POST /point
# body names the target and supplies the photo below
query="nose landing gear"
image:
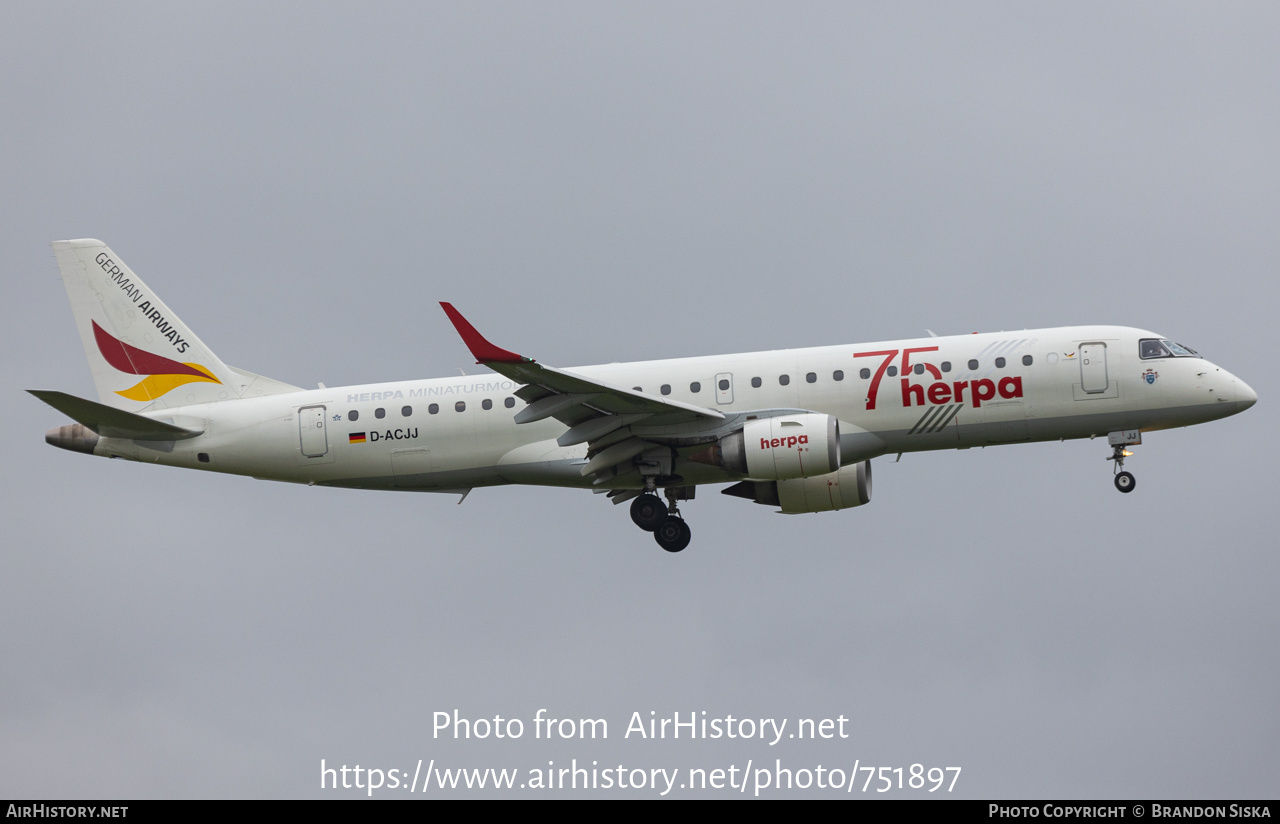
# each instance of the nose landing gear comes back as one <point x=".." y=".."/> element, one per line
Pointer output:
<point x="1125" y="482"/>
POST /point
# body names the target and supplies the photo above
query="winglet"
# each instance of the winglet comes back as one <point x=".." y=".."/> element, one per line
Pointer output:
<point x="481" y="349"/>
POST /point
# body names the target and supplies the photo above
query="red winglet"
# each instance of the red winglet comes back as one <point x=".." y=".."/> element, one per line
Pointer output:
<point x="481" y="349"/>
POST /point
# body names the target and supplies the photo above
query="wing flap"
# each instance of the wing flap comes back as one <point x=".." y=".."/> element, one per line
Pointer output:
<point x="612" y="456"/>
<point x="549" y="406"/>
<point x="593" y="429"/>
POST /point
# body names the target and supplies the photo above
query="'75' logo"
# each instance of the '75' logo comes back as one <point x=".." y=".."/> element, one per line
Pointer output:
<point x="939" y="391"/>
<point x="889" y="355"/>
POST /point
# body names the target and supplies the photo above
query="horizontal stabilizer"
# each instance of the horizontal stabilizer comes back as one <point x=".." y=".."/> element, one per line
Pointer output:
<point x="110" y="422"/>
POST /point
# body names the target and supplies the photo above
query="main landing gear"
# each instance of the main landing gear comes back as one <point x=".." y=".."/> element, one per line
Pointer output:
<point x="663" y="520"/>
<point x="648" y="511"/>
<point x="1124" y="481"/>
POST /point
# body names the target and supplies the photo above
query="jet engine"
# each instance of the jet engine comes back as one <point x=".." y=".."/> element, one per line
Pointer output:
<point x="848" y="486"/>
<point x="788" y="446"/>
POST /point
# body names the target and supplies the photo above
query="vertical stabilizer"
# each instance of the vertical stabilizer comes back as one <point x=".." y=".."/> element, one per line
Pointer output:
<point x="140" y="353"/>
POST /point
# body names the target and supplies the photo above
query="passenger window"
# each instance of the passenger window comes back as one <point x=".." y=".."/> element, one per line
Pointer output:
<point x="509" y="403"/>
<point x="433" y="408"/>
<point x="812" y="377"/>
<point x="695" y="387"/>
<point x="666" y="389"/>
<point x="460" y="406"/>
<point x="864" y="374"/>
<point x="638" y="389"/>
<point x="946" y="366"/>
<point x="893" y="371"/>
<point x="1026" y="360"/>
<point x="999" y="363"/>
<point x="918" y="369"/>
<point x="784" y="379"/>
<point x="486" y="404"/>
<point x="837" y="375"/>
<point x="973" y="365"/>
<point x="353" y="415"/>
<point x="724" y="385"/>
<point x="379" y="413"/>
<point x="755" y="383"/>
<point x="406" y="411"/>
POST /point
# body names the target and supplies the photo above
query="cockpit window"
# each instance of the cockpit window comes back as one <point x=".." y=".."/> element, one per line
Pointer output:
<point x="1151" y="348"/>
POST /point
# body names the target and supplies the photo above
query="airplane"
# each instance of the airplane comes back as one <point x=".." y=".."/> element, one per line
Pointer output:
<point x="794" y="429"/>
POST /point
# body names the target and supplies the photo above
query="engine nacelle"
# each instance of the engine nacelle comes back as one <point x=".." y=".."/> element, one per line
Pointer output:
<point x="849" y="486"/>
<point x="788" y="446"/>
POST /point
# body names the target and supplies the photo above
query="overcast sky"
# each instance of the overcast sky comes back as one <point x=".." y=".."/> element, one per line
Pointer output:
<point x="302" y="182"/>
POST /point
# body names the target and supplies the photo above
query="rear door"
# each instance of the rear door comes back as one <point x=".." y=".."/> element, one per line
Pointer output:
<point x="311" y="431"/>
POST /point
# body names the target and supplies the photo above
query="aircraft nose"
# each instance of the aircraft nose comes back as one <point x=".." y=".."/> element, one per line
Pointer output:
<point x="1245" y="396"/>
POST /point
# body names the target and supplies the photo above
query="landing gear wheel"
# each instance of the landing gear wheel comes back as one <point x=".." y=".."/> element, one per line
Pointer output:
<point x="672" y="534"/>
<point x="648" y="512"/>
<point x="1125" y="482"/>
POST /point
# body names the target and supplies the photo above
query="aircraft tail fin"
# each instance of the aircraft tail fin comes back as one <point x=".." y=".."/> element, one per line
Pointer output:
<point x="140" y="353"/>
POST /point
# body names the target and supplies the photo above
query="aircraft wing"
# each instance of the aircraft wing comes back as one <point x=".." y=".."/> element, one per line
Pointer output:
<point x="568" y="397"/>
<point x="597" y="413"/>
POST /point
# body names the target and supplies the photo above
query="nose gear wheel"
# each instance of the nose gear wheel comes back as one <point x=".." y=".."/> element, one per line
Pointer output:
<point x="1125" y="482"/>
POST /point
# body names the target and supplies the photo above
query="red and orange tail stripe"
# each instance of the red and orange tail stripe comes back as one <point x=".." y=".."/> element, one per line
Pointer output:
<point x="163" y="375"/>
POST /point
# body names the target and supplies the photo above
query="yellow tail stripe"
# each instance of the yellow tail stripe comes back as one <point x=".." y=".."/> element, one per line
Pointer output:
<point x="154" y="386"/>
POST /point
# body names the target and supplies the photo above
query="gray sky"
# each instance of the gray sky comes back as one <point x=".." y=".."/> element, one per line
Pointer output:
<point x="590" y="182"/>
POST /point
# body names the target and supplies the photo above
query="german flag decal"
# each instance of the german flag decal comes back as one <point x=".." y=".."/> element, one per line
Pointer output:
<point x="356" y="437"/>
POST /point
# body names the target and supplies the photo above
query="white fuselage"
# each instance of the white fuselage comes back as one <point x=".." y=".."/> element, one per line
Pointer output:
<point x="458" y="433"/>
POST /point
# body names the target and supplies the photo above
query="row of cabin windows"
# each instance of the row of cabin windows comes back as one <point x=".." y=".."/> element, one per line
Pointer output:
<point x="723" y="385"/>
<point x="945" y="366"/>
<point x="696" y="386"/>
<point x="433" y="409"/>
<point x="838" y="375"/>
